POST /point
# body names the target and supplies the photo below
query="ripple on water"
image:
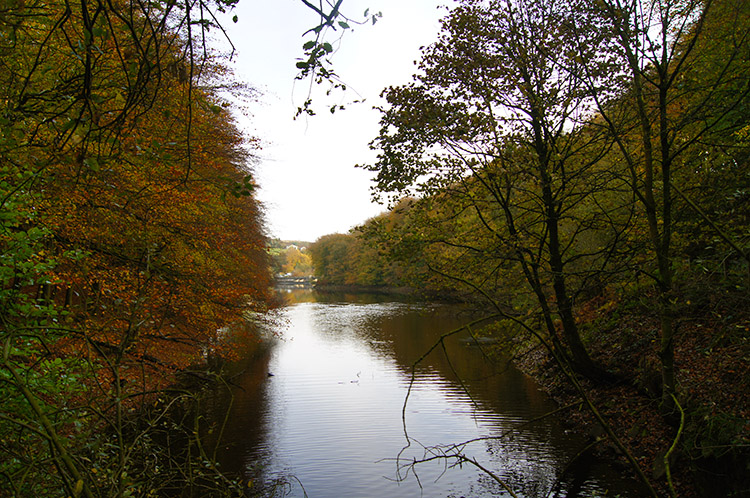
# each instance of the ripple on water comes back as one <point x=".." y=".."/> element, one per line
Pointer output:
<point x="333" y="414"/>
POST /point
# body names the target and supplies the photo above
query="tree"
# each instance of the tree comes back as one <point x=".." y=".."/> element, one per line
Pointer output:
<point x="130" y="235"/>
<point x="499" y="119"/>
<point x="298" y="263"/>
<point x="330" y="257"/>
<point x="316" y="64"/>
<point x="658" y="106"/>
<point x="130" y="238"/>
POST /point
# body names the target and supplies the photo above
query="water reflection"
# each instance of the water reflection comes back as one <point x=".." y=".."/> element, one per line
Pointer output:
<point x="333" y="412"/>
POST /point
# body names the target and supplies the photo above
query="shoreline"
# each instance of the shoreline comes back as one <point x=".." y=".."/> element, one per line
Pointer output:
<point x="631" y="407"/>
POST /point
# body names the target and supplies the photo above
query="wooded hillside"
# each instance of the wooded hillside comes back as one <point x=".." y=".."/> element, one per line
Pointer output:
<point x="130" y="240"/>
<point x="582" y="169"/>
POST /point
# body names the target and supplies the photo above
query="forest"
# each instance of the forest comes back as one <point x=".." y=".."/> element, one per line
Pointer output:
<point x="131" y="239"/>
<point x="577" y="168"/>
<point x="580" y="169"/>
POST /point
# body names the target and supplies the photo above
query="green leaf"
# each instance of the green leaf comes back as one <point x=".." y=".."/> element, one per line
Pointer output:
<point x="234" y="19"/>
<point x="68" y="125"/>
<point x="344" y="24"/>
<point x="92" y="164"/>
<point x="307" y="46"/>
<point x="302" y="65"/>
<point x="327" y="47"/>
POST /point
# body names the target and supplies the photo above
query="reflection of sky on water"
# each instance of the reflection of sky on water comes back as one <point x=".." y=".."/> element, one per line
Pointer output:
<point x="332" y="412"/>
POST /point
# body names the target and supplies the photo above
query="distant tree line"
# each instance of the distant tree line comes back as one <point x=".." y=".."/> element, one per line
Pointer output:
<point x="353" y="260"/>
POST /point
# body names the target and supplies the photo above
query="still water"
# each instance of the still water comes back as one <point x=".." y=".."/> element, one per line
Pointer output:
<point x="333" y="419"/>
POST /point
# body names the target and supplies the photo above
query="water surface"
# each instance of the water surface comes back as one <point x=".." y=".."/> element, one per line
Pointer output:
<point x="333" y="420"/>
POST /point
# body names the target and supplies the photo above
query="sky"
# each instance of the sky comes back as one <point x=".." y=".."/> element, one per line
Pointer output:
<point x="308" y="182"/>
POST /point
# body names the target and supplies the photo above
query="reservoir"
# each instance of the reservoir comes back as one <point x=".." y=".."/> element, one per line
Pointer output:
<point x="337" y="407"/>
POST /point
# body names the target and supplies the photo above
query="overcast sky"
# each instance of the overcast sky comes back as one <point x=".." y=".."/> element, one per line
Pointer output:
<point x="307" y="177"/>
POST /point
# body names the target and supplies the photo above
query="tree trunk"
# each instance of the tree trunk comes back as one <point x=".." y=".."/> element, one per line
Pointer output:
<point x="582" y="362"/>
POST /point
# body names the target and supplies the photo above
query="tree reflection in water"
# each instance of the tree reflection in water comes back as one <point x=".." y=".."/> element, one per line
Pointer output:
<point x="470" y="422"/>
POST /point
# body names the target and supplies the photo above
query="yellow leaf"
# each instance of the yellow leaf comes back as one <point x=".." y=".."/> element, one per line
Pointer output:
<point x="78" y="488"/>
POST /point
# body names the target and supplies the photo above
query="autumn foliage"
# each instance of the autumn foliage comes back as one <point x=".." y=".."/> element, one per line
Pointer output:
<point x="581" y="168"/>
<point x="131" y="238"/>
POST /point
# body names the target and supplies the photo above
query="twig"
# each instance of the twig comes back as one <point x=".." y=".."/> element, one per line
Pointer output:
<point x="674" y="445"/>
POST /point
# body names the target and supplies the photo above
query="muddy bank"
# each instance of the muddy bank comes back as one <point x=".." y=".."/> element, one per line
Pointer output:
<point x="711" y="456"/>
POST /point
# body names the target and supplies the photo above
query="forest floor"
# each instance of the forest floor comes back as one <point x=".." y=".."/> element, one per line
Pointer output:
<point x="712" y="354"/>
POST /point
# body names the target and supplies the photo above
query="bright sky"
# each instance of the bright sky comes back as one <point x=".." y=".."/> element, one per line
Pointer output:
<point x="307" y="178"/>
